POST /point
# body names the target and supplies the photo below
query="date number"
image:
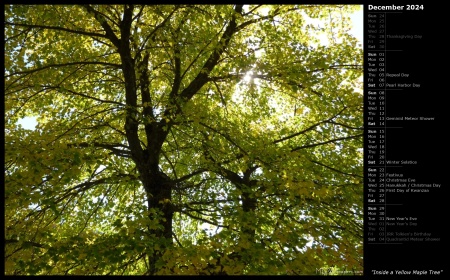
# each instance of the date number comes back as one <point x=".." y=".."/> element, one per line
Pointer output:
<point x="414" y="7"/>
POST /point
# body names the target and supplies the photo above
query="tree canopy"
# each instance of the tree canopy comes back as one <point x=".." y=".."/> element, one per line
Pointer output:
<point x="182" y="139"/>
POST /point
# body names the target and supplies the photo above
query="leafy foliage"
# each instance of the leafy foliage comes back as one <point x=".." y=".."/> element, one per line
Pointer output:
<point x="188" y="139"/>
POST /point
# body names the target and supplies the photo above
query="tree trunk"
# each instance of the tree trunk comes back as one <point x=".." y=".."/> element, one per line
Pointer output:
<point x="158" y="188"/>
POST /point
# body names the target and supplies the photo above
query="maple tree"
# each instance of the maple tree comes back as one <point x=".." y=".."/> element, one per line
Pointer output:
<point x="187" y="139"/>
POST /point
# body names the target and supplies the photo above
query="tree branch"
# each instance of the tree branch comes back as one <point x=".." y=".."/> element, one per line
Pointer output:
<point x="108" y="30"/>
<point x="34" y="244"/>
<point x="310" y="128"/>
<point x="112" y="147"/>
<point x="92" y="34"/>
<point x="202" y="77"/>
<point x="64" y="65"/>
<point x="326" y="142"/>
<point x="336" y="170"/>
